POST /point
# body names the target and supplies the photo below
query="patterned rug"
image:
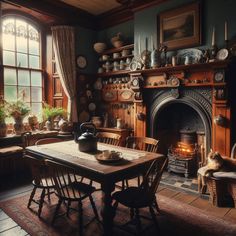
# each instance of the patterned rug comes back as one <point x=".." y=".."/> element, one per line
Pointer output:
<point x="176" y="219"/>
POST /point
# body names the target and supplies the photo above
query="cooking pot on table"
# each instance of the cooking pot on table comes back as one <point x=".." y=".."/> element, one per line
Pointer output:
<point x="87" y="142"/>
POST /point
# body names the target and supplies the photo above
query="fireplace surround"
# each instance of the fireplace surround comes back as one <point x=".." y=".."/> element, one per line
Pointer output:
<point x="186" y="97"/>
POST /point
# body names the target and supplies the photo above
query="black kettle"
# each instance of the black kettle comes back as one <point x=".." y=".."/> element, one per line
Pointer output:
<point x="87" y="142"/>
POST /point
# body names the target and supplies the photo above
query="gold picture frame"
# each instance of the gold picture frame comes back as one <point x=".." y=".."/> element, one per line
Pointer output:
<point x="180" y="28"/>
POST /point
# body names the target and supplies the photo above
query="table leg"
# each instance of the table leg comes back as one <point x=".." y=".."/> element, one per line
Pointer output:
<point x="107" y="211"/>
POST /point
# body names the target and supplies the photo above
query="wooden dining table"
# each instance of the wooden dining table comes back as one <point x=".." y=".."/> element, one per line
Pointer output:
<point x="133" y="162"/>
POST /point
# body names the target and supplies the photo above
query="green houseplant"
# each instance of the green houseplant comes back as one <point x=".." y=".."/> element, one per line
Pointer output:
<point x="18" y="110"/>
<point x="3" y="115"/>
<point x="50" y="113"/>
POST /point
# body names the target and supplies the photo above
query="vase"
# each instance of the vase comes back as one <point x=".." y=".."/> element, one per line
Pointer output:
<point x="3" y="129"/>
<point x="19" y="126"/>
<point x="48" y="125"/>
<point x="155" y="59"/>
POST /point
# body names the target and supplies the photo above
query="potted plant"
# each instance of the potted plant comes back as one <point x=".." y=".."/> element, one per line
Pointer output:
<point x="3" y="126"/>
<point x="50" y="113"/>
<point x="18" y="110"/>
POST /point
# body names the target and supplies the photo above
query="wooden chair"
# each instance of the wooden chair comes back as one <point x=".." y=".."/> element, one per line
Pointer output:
<point x="141" y="143"/>
<point x="109" y="138"/>
<point x="41" y="181"/>
<point x="69" y="189"/>
<point x="48" y="140"/>
<point x="41" y="178"/>
<point x="142" y="196"/>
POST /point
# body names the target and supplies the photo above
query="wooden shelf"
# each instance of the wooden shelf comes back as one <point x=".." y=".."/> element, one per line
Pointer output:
<point x="117" y="59"/>
<point x="111" y="73"/>
<point x="112" y="50"/>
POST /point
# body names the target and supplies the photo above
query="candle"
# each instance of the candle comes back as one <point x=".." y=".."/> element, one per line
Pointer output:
<point x="139" y="45"/>
<point x="226" y="31"/>
<point x="152" y="45"/>
<point x="213" y="37"/>
<point x="146" y="43"/>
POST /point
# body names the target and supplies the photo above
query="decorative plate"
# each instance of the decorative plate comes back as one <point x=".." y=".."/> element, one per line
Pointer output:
<point x="81" y="61"/>
<point x="112" y="156"/>
<point x="91" y="106"/>
<point x="83" y="116"/>
<point x="222" y="54"/>
<point x="194" y="54"/>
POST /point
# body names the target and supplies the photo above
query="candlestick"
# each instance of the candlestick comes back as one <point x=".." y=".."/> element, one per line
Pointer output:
<point x="226" y="31"/>
<point x="213" y="37"/>
<point x="152" y="45"/>
<point x="139" y="45"/>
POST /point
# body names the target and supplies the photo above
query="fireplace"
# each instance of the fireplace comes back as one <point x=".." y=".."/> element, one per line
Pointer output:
<point x="183" y="157"/>
<point x="179" y="98"/>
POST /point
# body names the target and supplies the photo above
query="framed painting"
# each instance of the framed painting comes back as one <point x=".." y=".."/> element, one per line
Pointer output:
<point x="180" y="28"/>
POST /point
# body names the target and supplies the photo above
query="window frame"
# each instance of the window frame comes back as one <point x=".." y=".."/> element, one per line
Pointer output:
<point x="42" y="52"/>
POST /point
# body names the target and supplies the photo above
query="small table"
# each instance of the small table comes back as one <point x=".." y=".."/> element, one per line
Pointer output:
<point x="135" y="162"/>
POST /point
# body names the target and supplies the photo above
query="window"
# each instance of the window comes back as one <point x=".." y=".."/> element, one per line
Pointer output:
<point x="22" y="66"/>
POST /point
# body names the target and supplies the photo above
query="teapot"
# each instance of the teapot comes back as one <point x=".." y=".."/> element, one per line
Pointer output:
<point x="87" y="142"/>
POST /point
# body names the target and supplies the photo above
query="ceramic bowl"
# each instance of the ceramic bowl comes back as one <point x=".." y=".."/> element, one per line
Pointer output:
<point x="99" y="47"/>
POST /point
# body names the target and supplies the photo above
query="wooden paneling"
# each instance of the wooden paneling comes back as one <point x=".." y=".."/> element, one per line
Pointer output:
<point x="140" y="119"/>
<point x="221" y="134"/>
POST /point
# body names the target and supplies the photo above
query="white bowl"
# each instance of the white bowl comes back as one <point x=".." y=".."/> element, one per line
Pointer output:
<point x="99" y="47"/>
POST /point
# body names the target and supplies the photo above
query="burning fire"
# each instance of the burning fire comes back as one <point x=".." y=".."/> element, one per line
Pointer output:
<point x="184" y="150"/>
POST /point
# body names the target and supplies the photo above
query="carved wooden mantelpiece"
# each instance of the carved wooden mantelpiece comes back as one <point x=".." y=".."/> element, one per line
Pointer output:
<point x="189" y="81"/>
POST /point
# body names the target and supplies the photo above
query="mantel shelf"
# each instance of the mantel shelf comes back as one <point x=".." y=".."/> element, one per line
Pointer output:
<point x="172" y="69"/>
<point x="111" y="73"/>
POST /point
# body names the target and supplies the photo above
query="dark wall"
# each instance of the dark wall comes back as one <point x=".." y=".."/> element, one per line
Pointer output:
<point x="214" y="14"/>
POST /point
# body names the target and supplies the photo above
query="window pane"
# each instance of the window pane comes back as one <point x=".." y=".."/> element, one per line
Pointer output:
<point x="23" y="77"/>
<point x="34" y="62"/>
<point x="10" y="93"/>
<point x="9" y="58"/>
<point x="8" y="42"/>
<point x="36" y="109"/>
<point x="33" y="47"/>
<point x="21" y="44"/>
<point x="10" y="76"/>
<point x="36" y="78"/>
<point x="22" y="60"/>
<point x="24" y="93"/>
<point x="36" y="93"/>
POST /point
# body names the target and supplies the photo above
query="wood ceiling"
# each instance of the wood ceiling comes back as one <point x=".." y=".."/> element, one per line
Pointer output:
<point x="95" y="7"/>
<point x="94" y="14"/>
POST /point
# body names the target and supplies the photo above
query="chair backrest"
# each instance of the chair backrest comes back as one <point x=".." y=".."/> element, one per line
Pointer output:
<point x="152" y="177"/>
<point x="39" y="170"/>
<point x="109" y="138"/>
<point x="26" y="139"/>
<point x="65" y="179"/>
<point x="142" y="143"/>
<point x="233" y="151"/>
<point x="48" y="140"/>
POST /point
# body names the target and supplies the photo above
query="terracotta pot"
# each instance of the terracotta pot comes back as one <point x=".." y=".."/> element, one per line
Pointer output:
<point x="3" y="129"/>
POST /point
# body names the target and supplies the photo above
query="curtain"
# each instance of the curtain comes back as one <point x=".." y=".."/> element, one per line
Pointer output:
<point x="63" y="38"/>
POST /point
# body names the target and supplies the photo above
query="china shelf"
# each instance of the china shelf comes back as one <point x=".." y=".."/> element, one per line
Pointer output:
<point x="117" y="59"/>
<point x="111" y="73"/>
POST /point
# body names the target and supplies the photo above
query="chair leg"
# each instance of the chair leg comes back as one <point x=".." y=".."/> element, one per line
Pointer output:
<point x="56" y="210"/>
<point x="94" y="207"/>
<point x="131" y="213"/>
<point x="80" y="210"/>
<point x="138" y="221"/>
<point x="31" y="196"/>
<point x="153" y="215"/>
<point x="156" y="206"/>
<point x="41" y="201"/>
<point x="68" y="208"/>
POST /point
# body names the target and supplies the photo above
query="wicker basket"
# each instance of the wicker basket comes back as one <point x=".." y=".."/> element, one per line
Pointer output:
<point x="99" y="47"/>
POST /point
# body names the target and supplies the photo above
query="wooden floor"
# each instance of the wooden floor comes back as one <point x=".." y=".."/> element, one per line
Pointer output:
<point x="9" y="228"/>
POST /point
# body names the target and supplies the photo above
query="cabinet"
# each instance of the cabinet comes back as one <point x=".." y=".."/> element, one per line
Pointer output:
<point x="116" y="93"/>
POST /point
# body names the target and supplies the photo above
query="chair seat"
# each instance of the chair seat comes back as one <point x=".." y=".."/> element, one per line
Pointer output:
<point x="133" y="197"/>
<point x="10" y="150"/>
<point x="226" y="175"/>
<point x="83" y="190"/>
